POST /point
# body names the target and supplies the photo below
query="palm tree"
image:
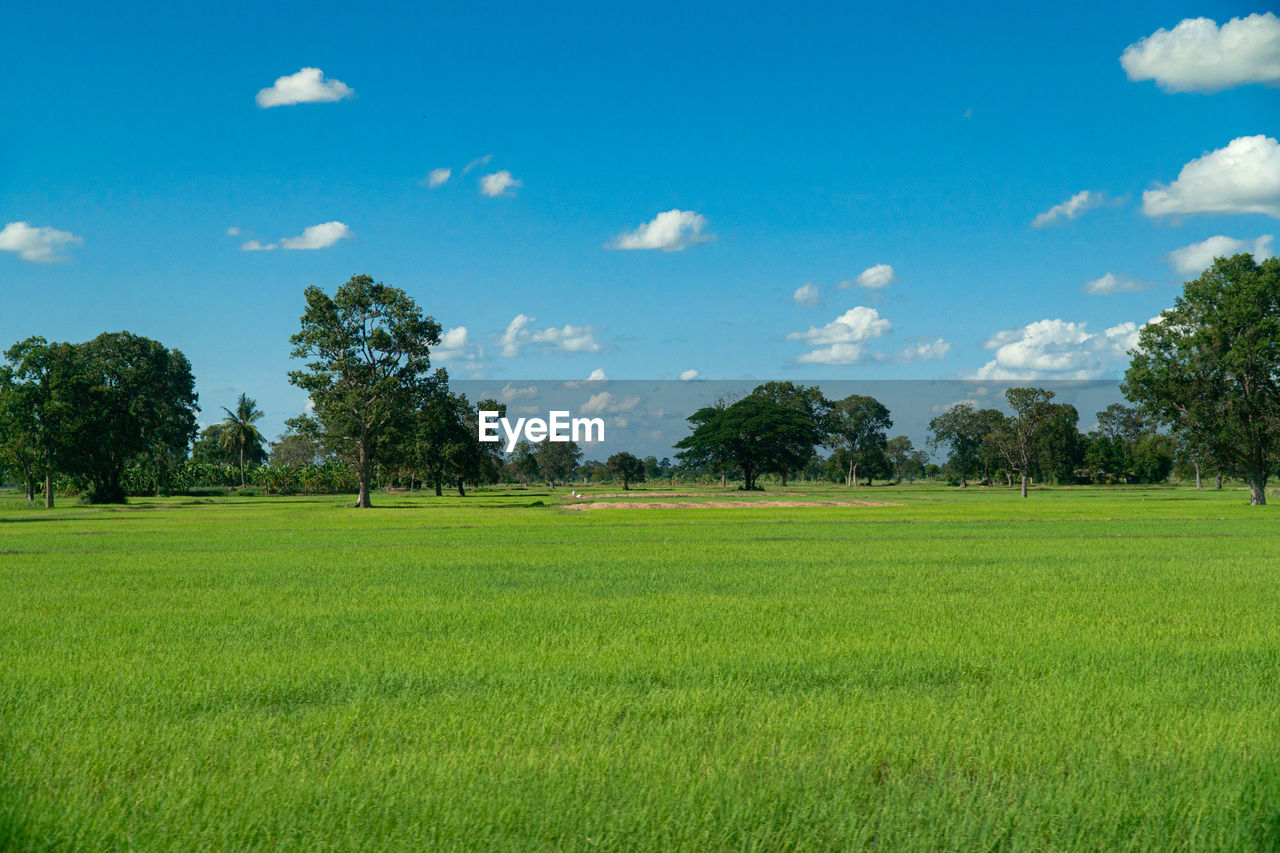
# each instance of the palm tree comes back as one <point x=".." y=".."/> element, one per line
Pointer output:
<point x="239" y="433"/>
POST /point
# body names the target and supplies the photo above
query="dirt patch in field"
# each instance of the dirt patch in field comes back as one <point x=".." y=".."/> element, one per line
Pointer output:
<point x="648" y="495"/>
<point x="719" y="504"/>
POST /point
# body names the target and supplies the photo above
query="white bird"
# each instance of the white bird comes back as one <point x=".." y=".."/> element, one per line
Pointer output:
<point x="576" y="495"/>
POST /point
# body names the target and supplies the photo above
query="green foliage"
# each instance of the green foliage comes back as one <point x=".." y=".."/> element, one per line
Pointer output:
<point x="1208" y="368"/>
<point x="240" y="436"/>
<point x="367" y="370"/>
<point x="756" y="435"/>
<point x="625" y="467"/>
<point x="856" y="429"/>
<point x="557" y="460"/>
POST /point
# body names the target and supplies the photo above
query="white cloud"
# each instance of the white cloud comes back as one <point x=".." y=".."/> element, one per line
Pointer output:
<point x="841" y="340"/>
<point x="510" y="392"/>
<point x="564" y="339"/>
<point x="320" y="236"/>
<point x="307" y="86"/>
<point x="1055" y="349"/>
<point x="233" y="231"/>
<point x="597" y="375"/>
<point x="255" y="246"/>
<point x="438" y="177"/>
<point x="1112" y="283"/>
<point x="607" y="403"/>
<point x="1196" y="258"/>
<point x="1244" y="177"/>
<point x="807" y="295"/>
<point x="498" y="183"/>
<point x="458" y="349"/>
<point x="688" y="375"/>
<point x="670" y="231"/>
<point x="925" y="351"/>
<point x="477" y="163"/>
<point x="880" y="275"/>
<point x="39" y="245"/>
<point x="1080" y="203"/>
<point x="1197" y="56"/>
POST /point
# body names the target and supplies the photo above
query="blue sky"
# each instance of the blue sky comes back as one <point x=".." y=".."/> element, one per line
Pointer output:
<point x="809" y="144"/>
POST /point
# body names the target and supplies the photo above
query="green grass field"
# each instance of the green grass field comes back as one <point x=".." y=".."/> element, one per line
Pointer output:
<point x="1087" y="669"/>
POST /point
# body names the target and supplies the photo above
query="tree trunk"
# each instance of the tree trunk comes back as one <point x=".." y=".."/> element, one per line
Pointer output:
<point x="1218" y="486"/>
<point x="783" y="477"/>
<point x="626" y="487"/>
<point x="48" y="489"/>
<point x="1008" y="476"/>
<point x="31" y="488"/>
<point x="1199" y="485"/>
<point x="461" y="491"/>
<point x="362" y="499"/>
<point x="436" y="482"/>
<point x="242" y="465"/>
<point x="853" y="472"/>
<point x="1024" y="483"/>
<point x="1257" y="487"/>
<point x="848" y="477"/>
<point x="724" y="480"/>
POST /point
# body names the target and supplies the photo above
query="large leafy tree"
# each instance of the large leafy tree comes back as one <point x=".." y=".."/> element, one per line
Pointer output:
<point x="1018" y="437"/>
<point x="240" y="435"/>
<point x="142" y="410"/>
<point x="809" y="401"/>
<point x="962" y="430"/>
<point x="1209" y="368"/>
<point x="626" y="467"/>
<point x="857" y="431"/>
<point x="755" y="434"/>
<point x="368" y="368"/>
<point x="557" y="460"/>
<point x="44" y="392"/>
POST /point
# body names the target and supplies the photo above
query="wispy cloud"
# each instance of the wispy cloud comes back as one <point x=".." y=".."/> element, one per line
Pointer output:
<point x="498" y="184"/>
<point x="1112" y="283"/>
<point x="437" y="177"/>
<point x="1077" y="205"/>
<point x="320" y="236"/>
<point x="1196" y="258"/>
<point x="807" y="295"/>
<point x="520" y="336"/>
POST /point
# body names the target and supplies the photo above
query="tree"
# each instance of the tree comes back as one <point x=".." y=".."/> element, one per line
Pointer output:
<point x="962" y="429"/>
<point x="240" y="436"/>
<point x="299" y="444"/>
<point x="557" y="460"/>
<point x="809" y="401"/>
<point x="1209" y="367"/>
<point x="369" y="359"/>
<point x="140" y="409"/>
<point x="1059" y="451"/>
<point x="1017" y="437"/>
<point x="43" y="391"/>
<point x="898" y="450"/>
<point x="755" y="434"/>
<point x="856" y="429"/>
<point x="627" y="468"/>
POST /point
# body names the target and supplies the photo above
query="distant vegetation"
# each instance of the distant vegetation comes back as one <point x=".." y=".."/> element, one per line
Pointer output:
<point x="116" y="416"/>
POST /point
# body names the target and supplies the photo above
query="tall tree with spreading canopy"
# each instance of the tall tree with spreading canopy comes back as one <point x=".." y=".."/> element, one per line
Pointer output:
<point x="626" y="467"/>
<point x="240" y="436"/>
<point x="1019" y="436"/>
<point x="857" y="430"/>
<point x="1209" y="367"/>
<point x="756" y="434"/>
<point x="368" y="367"/>
<point x="809" y="401"/>
<point x="961" y="429"/>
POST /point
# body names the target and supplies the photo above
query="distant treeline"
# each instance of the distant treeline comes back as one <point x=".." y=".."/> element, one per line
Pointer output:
<point x="116" y="415"/>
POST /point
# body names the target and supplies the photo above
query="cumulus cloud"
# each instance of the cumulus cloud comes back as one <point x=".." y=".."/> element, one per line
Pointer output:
<point x="841" y="341"/>
<point x="459" y="349"/>
<point x="438" y="177"/>
<point x="498" y="183"/>
<point x="807" y="295"/>
<point x="1078" y="204"/>
<point x="1055" y="349"/>
<point x="688" y="375"/>
<point x="1244" y="177"/>
<point x="605" y="403"/>
<point x="878" y="276"/>
<point x="1196" y="258"/>
<point x="320" y="236"/>
<point x="519" y="335"/>
<point x="925" y="351"/>
<point x="39" y="245"/>
<point x="1112" y="283"/>
<point x="1198" y="56"/>
<point x="670" y="231"/>
<point x="307" y="86"/>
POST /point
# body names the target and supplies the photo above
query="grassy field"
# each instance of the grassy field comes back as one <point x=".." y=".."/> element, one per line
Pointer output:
<point x="1087" y="669"/>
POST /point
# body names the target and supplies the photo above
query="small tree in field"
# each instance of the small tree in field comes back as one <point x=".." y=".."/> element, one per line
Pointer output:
<point x="625" y="467"/>
<point x="368" y="350"/>
<point x="240" y="435"/>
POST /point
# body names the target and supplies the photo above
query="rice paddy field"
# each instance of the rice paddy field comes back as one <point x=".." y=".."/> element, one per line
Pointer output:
<point x="928" y="669"/>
